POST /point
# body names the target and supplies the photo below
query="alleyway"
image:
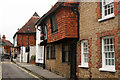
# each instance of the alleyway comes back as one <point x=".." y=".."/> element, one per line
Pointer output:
<point x="11" y="71"/>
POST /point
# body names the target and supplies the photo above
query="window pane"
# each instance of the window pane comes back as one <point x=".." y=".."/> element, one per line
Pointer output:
<point x="113" y="55"/>
<point x="105" y="55"/>
<point x="112" y="61"/>
<point x="105" y="48"/>
<point x="108" y="11"/>
<point x="66" y="56"/>
<point x="105" y="12"/>
<point x="105" y="41"/>
<point x="106" y="61"/>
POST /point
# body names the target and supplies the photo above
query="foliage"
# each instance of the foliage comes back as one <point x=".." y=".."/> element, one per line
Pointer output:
<point x="33" y="57"/>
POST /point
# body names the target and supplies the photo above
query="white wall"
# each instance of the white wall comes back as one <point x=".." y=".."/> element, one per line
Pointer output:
<point x="15" y="40"/>
<point x="32" y="51"/>
<point x="39" y="49"/>
<point x="23" y="55"/>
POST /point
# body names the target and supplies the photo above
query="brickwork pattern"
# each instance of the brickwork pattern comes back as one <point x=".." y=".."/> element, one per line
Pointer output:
<point x="93" y="30"/>
<point x="56" y="65"/>
<point x="66" y="24"/>
<point x="23" y="40"/>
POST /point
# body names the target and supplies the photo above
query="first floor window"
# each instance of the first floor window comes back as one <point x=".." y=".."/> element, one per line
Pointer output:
<point x="108" y="53"/>
<point x="65" y="53"/>
<point x="107" y="8"/>
<point x="53" y="52"/>
<point x="84" y="53"/>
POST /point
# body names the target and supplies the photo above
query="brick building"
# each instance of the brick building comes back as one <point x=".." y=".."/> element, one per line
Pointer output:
<point x="7" y="45"/>
<point x="26" y="37"/>
<point x="98" y="48"/>
<point x="61" y="22"/>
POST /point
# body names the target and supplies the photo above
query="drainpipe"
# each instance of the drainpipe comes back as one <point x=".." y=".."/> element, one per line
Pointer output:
<point x="77" y="40"/>
<point x="44" y="58"/>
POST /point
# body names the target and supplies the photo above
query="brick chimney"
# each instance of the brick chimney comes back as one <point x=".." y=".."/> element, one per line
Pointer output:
<point x="51" y="6"/>
<point x="4" y="37"/>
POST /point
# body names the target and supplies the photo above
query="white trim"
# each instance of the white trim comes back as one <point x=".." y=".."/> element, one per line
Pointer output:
<point x="110" y="68"/>
<point x="107" y="69"/>
<point x="107" y="17"/>
<point x="82" y="66"/>
<point x="103" y="11"/>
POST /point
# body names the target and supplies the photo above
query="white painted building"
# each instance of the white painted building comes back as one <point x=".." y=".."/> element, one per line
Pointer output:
<point x="39" y="49"/>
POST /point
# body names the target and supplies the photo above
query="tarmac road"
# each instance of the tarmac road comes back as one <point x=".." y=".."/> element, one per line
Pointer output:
<point x="11" y="71"/>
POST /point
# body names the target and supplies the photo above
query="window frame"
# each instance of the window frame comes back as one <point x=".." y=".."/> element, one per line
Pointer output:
<point x="103" y="17"/>
<point x="27" y="49"/>
<point x="47" y="56"/>
<point x="84" y="64"/>
<point x="105" y="67"/>
<point x="64" y="53"/>
<point x="53" y="23"/>
<point x="52" y="52"/>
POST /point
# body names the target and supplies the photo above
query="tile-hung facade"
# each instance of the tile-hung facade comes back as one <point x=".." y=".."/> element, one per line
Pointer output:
<point x="60" y="48"/>
<point x="98" y="48"/>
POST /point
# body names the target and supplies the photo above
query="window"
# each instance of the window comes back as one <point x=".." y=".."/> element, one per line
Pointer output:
<point x="47" y="53"/>
<point x="107" y="9"/>
<point x="53" y="52"/>
<point x="53" y="24"/>
<point x="108" y="54"/>
<point x="84" y="53"/>
<point x="27" y="49"/>
<point x="65" y="53"/>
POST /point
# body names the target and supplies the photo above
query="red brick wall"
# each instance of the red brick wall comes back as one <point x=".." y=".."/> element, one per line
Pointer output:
<point x="66" y="24"/>
<point x="24" y="40"/>
<point x="102" y="34"/>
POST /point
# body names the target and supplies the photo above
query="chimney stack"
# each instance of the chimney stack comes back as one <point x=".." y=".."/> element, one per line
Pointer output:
<point x="4" y="37"/>
<point x="51" y="6"/>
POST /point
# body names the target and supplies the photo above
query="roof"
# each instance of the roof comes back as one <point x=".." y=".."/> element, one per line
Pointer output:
<point x="7" y="43"/>
<point x="32" y="21"/>
<point x="54" y="8"/>
<point x="57" y="5"/>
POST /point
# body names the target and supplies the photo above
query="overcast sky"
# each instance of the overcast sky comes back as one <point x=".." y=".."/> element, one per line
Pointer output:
<point x="15" y="13"/>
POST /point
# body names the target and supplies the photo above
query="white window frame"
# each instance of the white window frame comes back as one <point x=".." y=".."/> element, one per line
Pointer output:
<point x="103" y="11"/>
<point x="83" y="63"/>
<point x="110" y="68"/>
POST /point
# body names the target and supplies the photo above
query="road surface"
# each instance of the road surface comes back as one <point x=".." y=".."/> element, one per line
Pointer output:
<point x="11" y="71"/>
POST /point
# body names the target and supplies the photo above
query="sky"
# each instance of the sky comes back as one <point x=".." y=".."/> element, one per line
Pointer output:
<point x="15" y="13"/>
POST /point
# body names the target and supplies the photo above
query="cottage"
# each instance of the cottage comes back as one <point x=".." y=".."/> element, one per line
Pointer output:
<point x="60" y="26"/>
<point x="26" y="37"/>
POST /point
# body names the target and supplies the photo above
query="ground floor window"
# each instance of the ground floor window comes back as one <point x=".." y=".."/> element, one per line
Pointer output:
<point x="84" y="53"/>
<point x="108" y="51"/>
<point x="108" y="54"/>
<point x="47" y="56"/>
<point x="53" y="52"/>
<point x="65" y="53"/>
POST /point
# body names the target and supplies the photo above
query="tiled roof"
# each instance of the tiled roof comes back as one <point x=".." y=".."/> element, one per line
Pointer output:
<point x="7" y="43"/>
<point x="57" y="5"/>
<point x="53" y="9"/>
<point x="30" y="23"/>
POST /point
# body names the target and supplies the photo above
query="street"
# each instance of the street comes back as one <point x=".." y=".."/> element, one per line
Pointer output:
<point x="10" y="71"/>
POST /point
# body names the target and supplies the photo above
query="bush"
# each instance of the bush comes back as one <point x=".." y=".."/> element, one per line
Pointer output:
<point x="33" y="57"/>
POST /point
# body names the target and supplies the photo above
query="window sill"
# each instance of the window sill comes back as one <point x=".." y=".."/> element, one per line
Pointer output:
<point x="107" y="69"/>
<point x="82" y="66"/>
<point x="107" y="17"/>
